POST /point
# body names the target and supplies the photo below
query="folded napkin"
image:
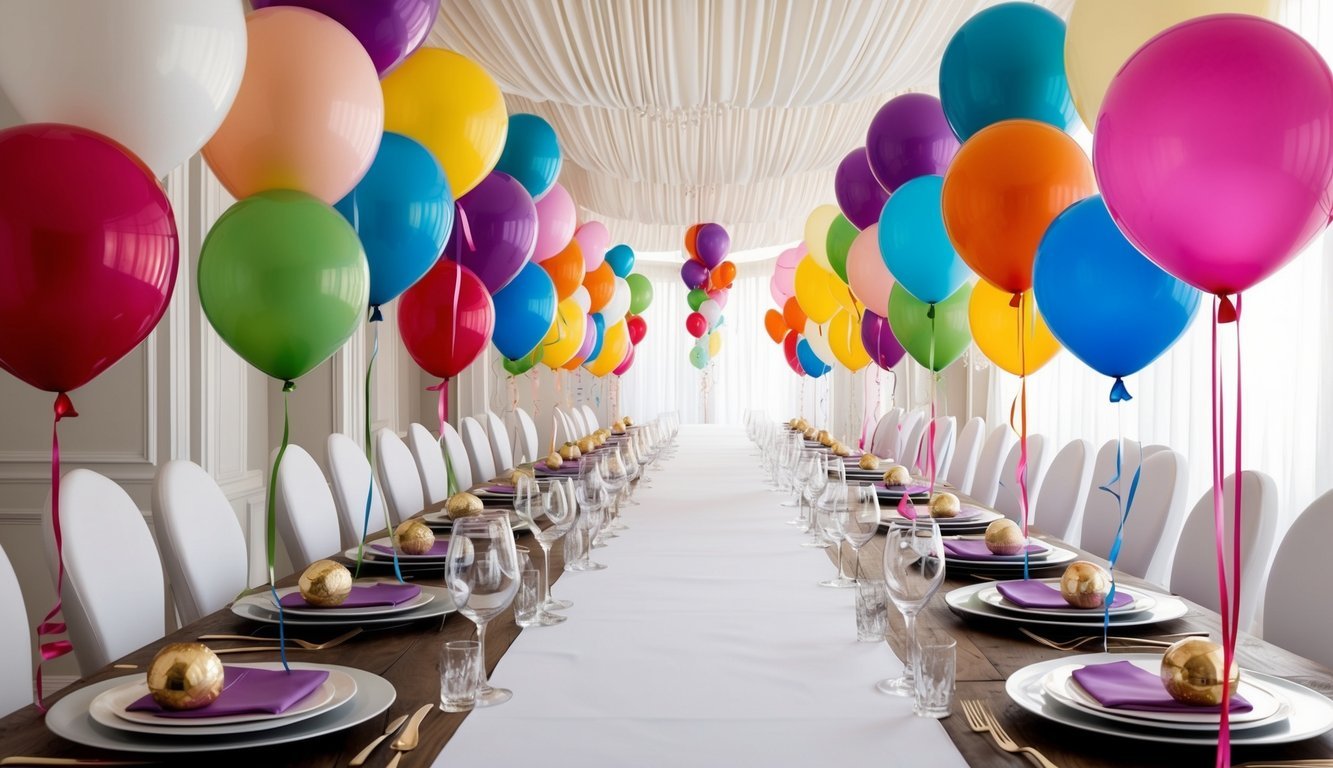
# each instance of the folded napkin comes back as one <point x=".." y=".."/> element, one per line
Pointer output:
<point x="1121" y="685"/>
<point x="362" y="596"/>
<point x="975" y="549"/>
<point x="247" y="691"/>
<point x="506" y="489"/>
<point x="566" y="469"/>
<point x="911" y="490"/>
<point x="438" y="549"/>
<point x="1037" y="594"/>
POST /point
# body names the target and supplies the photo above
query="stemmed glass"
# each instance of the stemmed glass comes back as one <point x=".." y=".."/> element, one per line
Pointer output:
<point x="531" y="502"/>
<point x="861" y="522"/>
<point x="913" y="572"/>
<point x="591" y="496"/>
<point x="559" y="507"/>
<point x="832" y="511"/>
<point x="633" y="471"/>
<point x="816" y="480"/>
<point x="803" y="467"/>
<point x="614" y="479"/>
<point x="481" y="573"/>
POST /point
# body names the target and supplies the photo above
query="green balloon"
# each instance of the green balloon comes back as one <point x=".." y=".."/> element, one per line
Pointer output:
<point x="909" y="318"/>
<point x="283" y="280"/>
<point x="640" y="293"/>
<point x="699" y="357"/>
<point x="524" y="363"/>
<point x="696" y="298"/>
<point x="839" y="241"/>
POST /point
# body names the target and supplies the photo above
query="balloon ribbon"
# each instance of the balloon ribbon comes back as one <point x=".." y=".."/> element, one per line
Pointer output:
<point x="375" y="317"/>
<point x="53" y="624"/>
<point x="1019" y="301"/>
<point x="442" y="411"/>
<point x="271" y="522"/>
<point x="1229" y="602"/>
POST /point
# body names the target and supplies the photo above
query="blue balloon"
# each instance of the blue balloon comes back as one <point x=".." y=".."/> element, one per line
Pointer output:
<point x="914" y="244"/>
<point x="1005" y="63"/>
<point x="524" y="310"/>
<point x="1102" y="299"/>
<point x="599" y="326"/>
<point x="402" y="210"/>
<point x="531" y="154"/>
<point x="621" y="259"/>
<point x="814" y="367"/>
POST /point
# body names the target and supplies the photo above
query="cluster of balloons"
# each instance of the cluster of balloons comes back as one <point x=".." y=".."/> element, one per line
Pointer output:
<point x="709" y="277"/>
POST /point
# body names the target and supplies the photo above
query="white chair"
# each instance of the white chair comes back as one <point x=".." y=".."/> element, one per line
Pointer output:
<point x="350" y="480"/>
<point x="526" y="431"/>
<point x="966" y="448"/>
<point x="1150" y="535"/>
<point x="501" y="451"/>
<point x="1194" y="572"/>
<point x="575" y="418"/>
<point x="1008" y="499"/>
<point x="1298" y="611"/>
<point x="429" y="460"/>
<point x="1064" y="491"/>
<point x="114" y="595"/>
<point x="456" y="453"/>
<point x="904" y="439"/>
<point x="885" y="436"/>
<point x="945" y="427"/>
<point x="478" y="450"/>
<point x="1101" y="512"/>
<point x="398" y="476"/>
<point x="565" y="431"/>
<point x="202" y="545"/>
<point x="15" y="643"/>
<point x="986" y="479"/>
<point x="911" y="450"/>
<point x="589" y="419"/>
<point x="307" y="515"/>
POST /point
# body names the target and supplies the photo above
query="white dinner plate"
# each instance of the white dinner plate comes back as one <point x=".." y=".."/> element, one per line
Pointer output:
<point x="1141" y="601"/>
<point x="442" y="520"/>
<point x="259" y="607"/>
<point x="109" y="708"/>
<point x="1056" y="557"/>
<point x="70" y="718"/>
<point x="421" y="599"/>
<point x="1309" y="713"/>
<point x="1044" y="551"/>
<point x="981" y="519"/>
<point x="965" y="601"/>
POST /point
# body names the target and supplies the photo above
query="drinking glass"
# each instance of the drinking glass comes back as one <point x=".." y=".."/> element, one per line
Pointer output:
<point x="913" y="572"/>
<point x="861" y="522"/>
<point x="558" y="507"/>
<point x="831" y="507"/>
<point x="934" y="671"/>
<point x="481" y="573"/>
<point x="872" y="610"/>
<point x="816" y="480"/>
<point x="591" y="496"/>
<point x="458" y="675"/>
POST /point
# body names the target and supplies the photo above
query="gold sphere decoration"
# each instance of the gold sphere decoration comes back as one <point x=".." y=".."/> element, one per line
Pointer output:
<point x="325" y="583"/>
<point x="1192" y="672"/>
<point x="553" y="461"/>
<point x="868" y="461"/>
<point x="414" y="537"/>
<point x="463" y="504"/>
<point x="897" y="476"/>
<point x="840" y="450"/>
<point x="627" y="421"/>
<point x="1085" y="584"/>
<point x="1004" y="537"/>
<point x="811" y="434"/>
<point x="617" y="427"/>
<point x="185" y="676"/>
<point x="570" y="452"/>
<point x="586" y="445"/>
<point x="944" y="504"/>
<point x="824" y="438"/>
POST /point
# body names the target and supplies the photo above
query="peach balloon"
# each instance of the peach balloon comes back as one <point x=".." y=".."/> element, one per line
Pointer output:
<point x="867" y="275"/>
<point x="309" y="114"/>
<point x="601" y="285"/>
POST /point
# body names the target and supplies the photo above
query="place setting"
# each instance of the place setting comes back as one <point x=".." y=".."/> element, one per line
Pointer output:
<point x="954" y="517"/>
<point x="327" y="596"/>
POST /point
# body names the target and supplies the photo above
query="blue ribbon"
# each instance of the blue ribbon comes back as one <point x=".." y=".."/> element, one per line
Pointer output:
<point x="1119" y="392"/>
<point x="1126" y="504"/>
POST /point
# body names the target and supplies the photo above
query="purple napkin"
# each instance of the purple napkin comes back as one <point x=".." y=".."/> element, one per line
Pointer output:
<point x="438" y="549"/>
<point x="911" y="490"/>
<point x="1037" y="594"/>
<point x="565" y="469"/>
<point x="1121" y="685"/>
<point x="965" y="513"/>
<point x="248" y="691"/>
<point x="975" y="549"/>
<point x="362" y="597"/>
<point x="505" y="489"/>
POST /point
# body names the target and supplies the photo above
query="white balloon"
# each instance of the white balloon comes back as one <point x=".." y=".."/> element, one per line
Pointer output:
<point x="817" y="335"/>
<point x="711" y="311"/>
<point x="582" y="298"/>
<point x="158" y="76"/>
<point x="615" y="309"/>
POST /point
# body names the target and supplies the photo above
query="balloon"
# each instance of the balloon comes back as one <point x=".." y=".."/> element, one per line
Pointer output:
<point x="581" y="297"/>
<point x="811" y="363"/>
<point x="614" y="348"/>
<point x="914" y="244"/>
<point x="496" y="231"/>
<point x="722" y="276"/>
<point x="711" y="244"/>
<point x="841" y="233"/>
<point x="601" y="285"/>
<point x="1006" y="62"/>
<point x="599" y="328"/>
<point x="283" y="280"/>
<point x="879" y="342"/>
<point x="775" y="325"/>
<point x="844" y="339"/>
<point x="593" y="240"/>
<point x="695" y="298"/>
<point x="789" y="352"/>
<point x="912" y="326"/>
<point x="859" y="194"/>
<point x="714" y="343"/>
<point x="1004" y="188"/>
<point x="523" y="364"/>
<point x="618" y="307"/>
<point x="1111" y="306"/>
<point x="694" y="274"/>
<point x="783" y="284"/>
<point x="640" y="293"/>
<point x="555" y="227"/>
<point x="794" y="317"/>
<point x="691" y="238"/>
<point x="909" y="137"/>
<point x="524" y="310"/>
<point x="389" y="31"/>
<point x="696" y="324"/>
<point x="1102" y="35"/>
<point x="816" y="234"/>
<point x="813" y="291"/>
<point x="402" y="211"/>
<point x="817" y="336"/>
<point x="720" y="296"/>
<point x="995" y="327"/>
<point x="1246" y="108"/>
<point x="120" y="70"/>
<point x="566" y="335"/>
<point x="711" y="312"/>
<point x="867" y="276"/>
<point x="621" y="259"/>
<point x="531" y="154"/>
<point x="585" y="350"/>
<point x="447" y="102"/>
<point x="88" y="254"/>
<point x="626" y="363"/>
<point x="566" y="270"/>
<point x="637" y="327"/>
<point x="699" y="357"/>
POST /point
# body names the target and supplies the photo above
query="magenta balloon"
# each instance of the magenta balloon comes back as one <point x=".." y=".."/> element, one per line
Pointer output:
<point x="860" y="196"/>
<point x="867" y="275"/>
<point x="556" y="218"/>
<point x="495" y="230"/>
<point x="720" y="296"/>
<point x="693" y="274"/>
<point x="879" y="340"/>
<point x="389" y="30"/>
<point x="1214" y="149"/>
<point x="711" y="244"/>
<point x="593" y="241"/>
<point x="625" y="364"/>
<point x="909" y="137"/>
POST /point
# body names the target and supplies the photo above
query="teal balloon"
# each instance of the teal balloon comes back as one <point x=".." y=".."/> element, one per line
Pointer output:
<point x="813" y="365"/>
<point x="699" y="356"/>
<point x="523" y="364"/>
<point x="524" y="310"/>
<point x="402" y="210"/>
<point x="599" y="328"/>
<point x="283" y="280"/>
<point x="696" y="298"/>
<point x="641" y="294"/>
<point x="531" y="154"/>
<point x="621" y="259"/>
<point x="914" y="245"/>
<point x="1005" y="63"/>
<point x="909" y="318"/>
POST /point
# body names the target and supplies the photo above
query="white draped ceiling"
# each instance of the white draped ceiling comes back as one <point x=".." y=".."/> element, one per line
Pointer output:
<point x="671" y="112"/>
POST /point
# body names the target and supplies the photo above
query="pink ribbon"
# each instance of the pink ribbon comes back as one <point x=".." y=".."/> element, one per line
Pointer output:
<point x="53" y="625"/>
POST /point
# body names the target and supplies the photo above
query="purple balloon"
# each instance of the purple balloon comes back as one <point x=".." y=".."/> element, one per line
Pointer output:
<point x="693" y="274"/>
<point x="879" y="341"/>
<point x="389" y="30"/>
<point x="494" y="231"/>
<point x="859" y="193"/>
<point x="711" y="244"/>
<point x="909" y="137"/>
<point x="589" y="339"/>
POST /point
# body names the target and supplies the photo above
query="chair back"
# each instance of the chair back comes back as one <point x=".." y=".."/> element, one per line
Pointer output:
<point x="966" y="449"/>
<point x="986" y="480"/>
<point x="912" y="445"/>
<point x="908" y="436"/>
<point x="349" y="473"/>
<point x="501" y="451"/>
<point x="885" y="436"/>
<point x="428" y="457"/>
<point x="16" y="672"/>
<point x="1064" y="491"/>
<point x="1298" y="614"/>
<point x="1009" y="498"/>
<point x="398" y="476"/>
<point x="1101" y="511"/>
<point x="589" y="418"/>
<point x="527" y="443"/>
<point x="478" y="450"/>
<point x="307" y="515"/>
<point x="459" y="462"/>
<point x="201" y="542"/>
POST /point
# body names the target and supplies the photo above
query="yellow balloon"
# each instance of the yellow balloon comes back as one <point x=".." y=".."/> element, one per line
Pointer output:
<point x="615" y="345"/>
<point x="995" y="327"/>
<point x="714" y="344"/>
<point x="566" y="334"/>
<point x="448" y="103"/>
<point x="814" y="293"/>
<point x="816" y="233"/>
<point x="1103" y="34"/>
<point x="844" y="339"/>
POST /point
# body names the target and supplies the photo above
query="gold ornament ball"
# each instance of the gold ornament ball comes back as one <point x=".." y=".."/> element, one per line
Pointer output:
<point x="791" y="423"/>
<point x="325" y="583"/>
<point x="617" y="427"/>
<point x="869" y="461"/>
<point x="586" y="445"/>
<point x="944" y="504"/>
<point x="185" y="676"/>
<point x="1004" y="537"/>
<point x="415" y="537"/>
<point x="463" y="504"/>
<point x="1085" y="584"/>
<point x="1192" y="672"/>
<point x="897" y="476"/>
<point x="824" y="438"/>
<point x="840" y="450"/>
<point x="553" y="461"/>
<point x="570" y="452"/>
<point x="627" y="421"/>
<point x="811" y="434"/>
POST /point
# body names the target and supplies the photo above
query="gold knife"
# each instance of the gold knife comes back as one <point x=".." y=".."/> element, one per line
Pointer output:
<point x="389" y="731"/>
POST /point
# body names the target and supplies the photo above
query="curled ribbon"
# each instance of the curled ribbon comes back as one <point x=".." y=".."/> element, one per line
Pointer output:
<point x="52" y="625"/>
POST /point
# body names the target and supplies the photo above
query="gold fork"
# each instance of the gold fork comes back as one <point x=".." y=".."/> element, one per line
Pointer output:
<point x="980" y="720"/>
<point x="1077" y="642"/>
<point x="302" y="644"/>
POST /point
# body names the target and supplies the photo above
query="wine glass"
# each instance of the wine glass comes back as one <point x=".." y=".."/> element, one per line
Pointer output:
<point x="816" y="480"/>
<point x="531" y="502"/>
<point x="803" y="467"/>
<point x="861" y="522"/>
<point x="614" y="479"/>
<point x="591" y="496"/>
<point x="913" y="572"/>
<point x="832" y="509"/>
<point x="633" y="471"/>
<point x="481" y="573"/>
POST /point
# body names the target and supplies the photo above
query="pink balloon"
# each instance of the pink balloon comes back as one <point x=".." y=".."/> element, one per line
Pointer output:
<point x="789" y="258"/>
<point x="555" y="223"/>
<point x="867" y="275"/>
<point x="1214" y="149"/>
<point x="774" y="288"/>
<point x="593" y="241"/>
<point x="720" y="296"/>
<point x="783" y="283"/>
<point x="625" y="364"/>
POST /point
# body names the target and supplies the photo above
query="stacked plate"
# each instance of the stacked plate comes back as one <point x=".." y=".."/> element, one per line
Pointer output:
<point x="969" y="554"/>
<point x="1282" y="712"/>
<point x="985" y="601"/>
<point x="441" y="521"/>
<point x="429" y="603"/>
<point x="970" y="518"/>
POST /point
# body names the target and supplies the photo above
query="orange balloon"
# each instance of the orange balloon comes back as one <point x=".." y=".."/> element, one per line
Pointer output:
<point x="794" y="315"/>
<point x="691" y="235"/>
<point x="566" y="269"/>
<point x="722" y="276"/>
<point x="775" y="324"/>
<point x="1003" y="189"/>
<point x="601" y="285"/>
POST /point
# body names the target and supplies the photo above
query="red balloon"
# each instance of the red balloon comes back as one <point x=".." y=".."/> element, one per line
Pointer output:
<point x="88" y="254"/>
<point x="442" y="334"/>
<point x="625" y="364"/>
<point x="789" y="351"/>
<point x="638" y="328"/>
<point x="696" y="324"/>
